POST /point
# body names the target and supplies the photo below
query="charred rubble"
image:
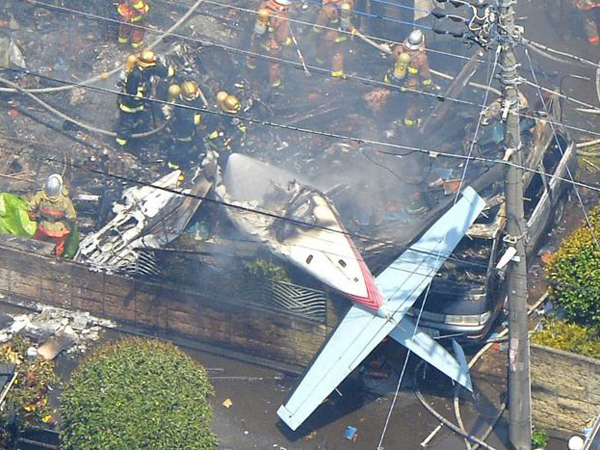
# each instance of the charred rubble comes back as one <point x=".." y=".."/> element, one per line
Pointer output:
<point x="385" y="195"/>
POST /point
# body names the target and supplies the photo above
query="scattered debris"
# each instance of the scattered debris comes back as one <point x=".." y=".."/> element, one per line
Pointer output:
<point x="227" y="403"/>
<point x="351" y="433"/>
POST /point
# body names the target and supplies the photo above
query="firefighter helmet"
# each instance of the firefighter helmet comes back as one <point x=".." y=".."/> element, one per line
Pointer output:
<point x="189" y="90"/>
<point x="130" y="63"/>
<point x="54" y="185"/>
<point x="174" y="92"/>
<point x="228" y="103"/>
<point x="415" y="40"/>
<point x="147" y="59"/>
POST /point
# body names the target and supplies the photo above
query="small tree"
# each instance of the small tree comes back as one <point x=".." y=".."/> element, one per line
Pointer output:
<point x="574" y="274"/>
<point x="137" y="393"/>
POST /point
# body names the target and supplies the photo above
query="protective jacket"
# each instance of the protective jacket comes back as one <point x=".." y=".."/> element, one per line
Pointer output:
<point x="185" y="120"/>
<point x="417" y="73"/>
<point x="132" y="11"/>
<point x="271" y="38"/>
<point x="330" y="25"/>
<point x="138" y="85"/>
<point x="53" y="213"/>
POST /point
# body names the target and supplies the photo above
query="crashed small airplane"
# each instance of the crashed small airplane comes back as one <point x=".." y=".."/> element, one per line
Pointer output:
<point x="150" y="217"/>
<point x="312" y="237"/>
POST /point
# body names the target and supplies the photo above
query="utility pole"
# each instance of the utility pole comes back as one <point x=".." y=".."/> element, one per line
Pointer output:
<point x="519" y="385"/>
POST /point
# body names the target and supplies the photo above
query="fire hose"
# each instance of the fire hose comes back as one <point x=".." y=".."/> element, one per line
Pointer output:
<point x="472" y="362"/>
<point x="386" y="49"/>
<point x="154" y="43"/>
<point x="63" y="116"/>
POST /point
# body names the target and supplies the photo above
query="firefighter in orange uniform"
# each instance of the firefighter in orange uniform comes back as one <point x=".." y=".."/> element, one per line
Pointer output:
<point x="271" y="33"/>
<point x="54" y="213"/>
<point x="335" y="14"/>
<point x="132" y="14"/>
<point x="591" y="19"/>
<point x="410" y="72"/>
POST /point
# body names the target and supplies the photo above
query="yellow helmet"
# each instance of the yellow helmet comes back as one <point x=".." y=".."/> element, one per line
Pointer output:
<point x="189" y="90"/>
<point x="228" y="103"/>
<point x="174" y="92"/>
<point x="147" y="59"/>
<point x="130" y="63"/>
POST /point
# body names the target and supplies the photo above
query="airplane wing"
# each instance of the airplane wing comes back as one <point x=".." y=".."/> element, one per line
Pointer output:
<point x="360" y="331"/>
<point x="425" y="347"/>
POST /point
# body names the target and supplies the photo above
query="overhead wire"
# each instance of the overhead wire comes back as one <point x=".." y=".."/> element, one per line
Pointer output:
<point x="158" y="40"/>
<point x="250" y="210"/>
<point x="438" y="255"/>
<point x="580" y="200"/>
<point x="338" y="136"/>
<point x="431" y="153"/>
<point x="258" y="55"/>
<point x="321" y="70"/>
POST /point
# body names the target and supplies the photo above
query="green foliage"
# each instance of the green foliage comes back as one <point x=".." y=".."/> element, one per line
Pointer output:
<point x="574" y="274"/>
<point x="261" y="269"/>
<point x="137" y="393"/>
<point x="539" y="439"/>
<point x="29" y="392"/>
<point x="570" y="337"/>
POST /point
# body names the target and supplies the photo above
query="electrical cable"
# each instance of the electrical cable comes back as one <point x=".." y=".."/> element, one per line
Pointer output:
<point x="141" y="183"/>
<point x="363" y="80"/>
<point x="157" y="41"/>
<point x="479" y="119"/>
<point x="583" y="209"/>
<point x="428" y="289"/>
<point x="325" y="27"/>
<point x="138" y="182"/>
<point x="321" y="70"/>
<point x="358" y="140"/>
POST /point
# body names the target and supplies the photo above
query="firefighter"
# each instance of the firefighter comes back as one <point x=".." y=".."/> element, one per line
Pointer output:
<point x="52" y="209"/>
<point x="137" y="86"/>
<point x="132" y="15"/>
<point x="224" y="130"/>
<point x="271" y="32"/>
<point x="411" y="72"/>
<point x="591" y="18"/>
<point x="335" y="14"/>
<point x="184" y="123"/>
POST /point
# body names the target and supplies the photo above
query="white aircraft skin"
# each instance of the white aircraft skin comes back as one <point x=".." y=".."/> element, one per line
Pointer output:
<point x="362" y="329"/>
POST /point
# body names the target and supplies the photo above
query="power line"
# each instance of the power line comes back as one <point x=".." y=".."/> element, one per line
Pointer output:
<point x="587" y="219"/>
<point x="138" y="182"/>
<point x="321" y="70"/>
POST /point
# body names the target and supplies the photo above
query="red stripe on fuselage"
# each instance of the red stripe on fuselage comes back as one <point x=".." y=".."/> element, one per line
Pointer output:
<point x="374" y="299"/>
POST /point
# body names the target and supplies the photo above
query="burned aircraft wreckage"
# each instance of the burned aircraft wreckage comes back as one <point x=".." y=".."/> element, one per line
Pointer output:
<point x="297" y="207"/>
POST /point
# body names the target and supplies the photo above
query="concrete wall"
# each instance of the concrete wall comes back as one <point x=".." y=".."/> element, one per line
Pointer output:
<point x="229" y="326"/>
<point x="565" y="390"/>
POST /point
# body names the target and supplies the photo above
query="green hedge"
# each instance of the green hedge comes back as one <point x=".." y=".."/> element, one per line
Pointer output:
<point x="569" y="337"/>
<point x="574" y="274"/>
<point x="137" y="394"/>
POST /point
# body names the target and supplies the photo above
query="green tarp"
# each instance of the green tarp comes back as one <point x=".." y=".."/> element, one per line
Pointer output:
<point x="14" y="218"/>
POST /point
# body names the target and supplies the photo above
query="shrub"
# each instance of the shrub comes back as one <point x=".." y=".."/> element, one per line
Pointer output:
<point x="261" y="269"/>
<point x="570" y="337"/>
<point x="574" y="274"/>
<point x="29" y="393"/>
<point x="137" y="393"/>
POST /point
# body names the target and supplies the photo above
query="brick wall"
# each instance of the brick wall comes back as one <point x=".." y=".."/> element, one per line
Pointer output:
<point x="565" y="389"/>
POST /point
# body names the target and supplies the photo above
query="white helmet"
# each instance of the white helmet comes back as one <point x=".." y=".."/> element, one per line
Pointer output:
<point x="283" y="2"/>
<point x="415" y="40"/>
<point x="54" y="185"/>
